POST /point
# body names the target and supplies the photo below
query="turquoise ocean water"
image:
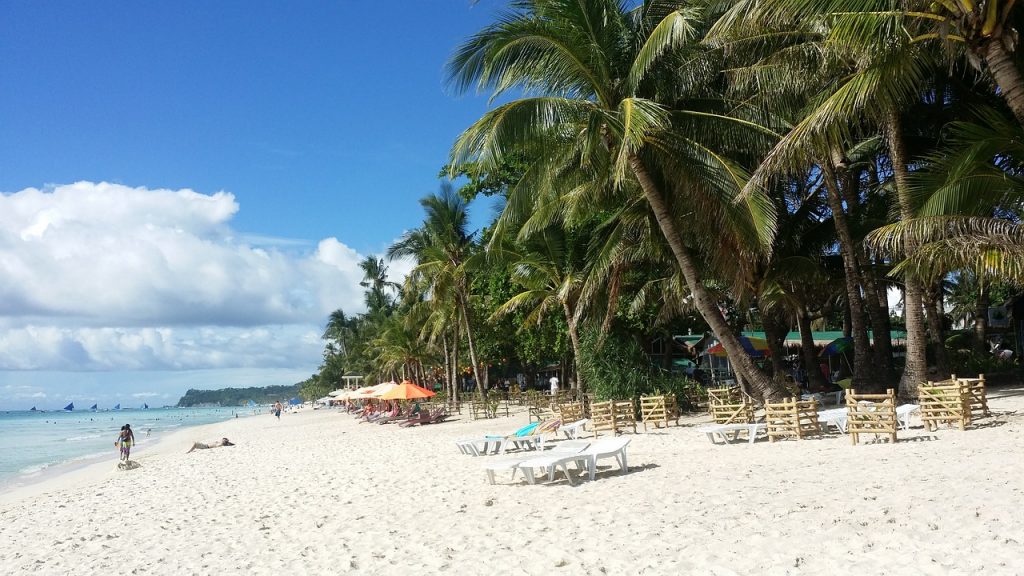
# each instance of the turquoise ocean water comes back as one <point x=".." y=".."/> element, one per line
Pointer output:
<point x="34" y="443"/>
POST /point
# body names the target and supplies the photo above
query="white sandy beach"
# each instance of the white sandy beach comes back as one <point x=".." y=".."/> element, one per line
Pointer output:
<point x="317" y="493"/>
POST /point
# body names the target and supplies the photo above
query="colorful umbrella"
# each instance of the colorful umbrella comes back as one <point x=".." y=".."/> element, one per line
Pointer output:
<point x="756" y="347"/>
<point x="406" y="391"/>
<point x="837" y="346"/>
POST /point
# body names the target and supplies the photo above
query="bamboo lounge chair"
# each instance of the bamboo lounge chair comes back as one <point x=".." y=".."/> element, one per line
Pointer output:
<point x="792" y="418"/>
<point x="658" y="410"/>
<point x="871" y="414"/>
<point x="947" y="402"/>
<point x="978" y="396"/>
<point x="612" y="416"/>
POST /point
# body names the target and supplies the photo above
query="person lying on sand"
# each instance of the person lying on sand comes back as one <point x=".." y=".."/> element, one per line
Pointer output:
<point x="214" y="444"/>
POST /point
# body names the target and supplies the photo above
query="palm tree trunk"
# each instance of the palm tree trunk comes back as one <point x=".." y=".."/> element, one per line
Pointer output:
<point x="981" y="321"/>
<point x="936" y="332"/>
<point x="858" y="324"/>
<point x="464" y="308"/>
<point x="916" y="369"/>
<point x="775" y="332"/>
<point x="455" y="363"/>
<point x="878" y="312"/>
<point x="1006" y="74"/>
<point x="706" y="304"/>
<point x="574" y="336"/>
<point x="815" y="379"/>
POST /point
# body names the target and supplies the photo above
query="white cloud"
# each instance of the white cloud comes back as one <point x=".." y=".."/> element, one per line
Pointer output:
<point x="99" y="276"/>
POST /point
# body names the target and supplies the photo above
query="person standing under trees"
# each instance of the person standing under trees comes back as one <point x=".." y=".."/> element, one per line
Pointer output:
<point x="554" y="385"/>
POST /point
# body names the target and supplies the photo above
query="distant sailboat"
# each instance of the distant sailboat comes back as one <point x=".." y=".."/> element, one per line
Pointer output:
<point x="145" y="406"/>
<point x="70" y="407"/>
<point x="93" y="407"/>
<point x="33" y="409"/>
<point x="118" y="407"/>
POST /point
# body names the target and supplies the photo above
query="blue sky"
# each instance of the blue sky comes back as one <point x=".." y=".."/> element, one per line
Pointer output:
<point x="252" y="152"/>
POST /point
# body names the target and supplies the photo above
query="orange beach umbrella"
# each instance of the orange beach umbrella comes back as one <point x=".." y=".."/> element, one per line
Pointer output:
<point x="406" y="391"/>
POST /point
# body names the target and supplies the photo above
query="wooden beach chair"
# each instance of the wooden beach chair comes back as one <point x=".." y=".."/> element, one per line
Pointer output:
<point x="727" y="395"/>
<point x="946" y="402"/>
<point x="871" y="414"/>
<point x="672" y="408"/>
<point x="978" y="398"/>
<point x="730" y="406"/>
<point x="625" y="415"/>
<point x="792" y="418"/>
<point x="654" y="409"/>
<point x="573" y="419"/>
<point x="613" y="416"/>
<point x="571" y="411"/>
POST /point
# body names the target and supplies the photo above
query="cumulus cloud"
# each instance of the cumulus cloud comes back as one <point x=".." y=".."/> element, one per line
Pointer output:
<point x="100" y="276"/>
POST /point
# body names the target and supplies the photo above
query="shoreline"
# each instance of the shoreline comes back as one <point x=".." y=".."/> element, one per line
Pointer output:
<point x="94" y="467"/>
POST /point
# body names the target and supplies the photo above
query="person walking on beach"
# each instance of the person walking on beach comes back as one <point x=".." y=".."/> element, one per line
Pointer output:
<point x="125" y="440"/>
<point x="277" y="409"/>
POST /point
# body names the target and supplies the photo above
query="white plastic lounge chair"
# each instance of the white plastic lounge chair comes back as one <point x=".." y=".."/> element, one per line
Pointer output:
<point x="836" y="417"/>
<point x="729" y="432"/>
<point x="834" y="397"/>
<point x="478" y="446"/>
<point x="532" y="441"/>
<point x="492" y="442"/>
<point x="563" y="449"/>
<point x="572" y="431"/>
<point x="903" y="414"/>
<point x="564" y="454"/>
<point x="600" y="449"/>
<point x="606" y="448"/>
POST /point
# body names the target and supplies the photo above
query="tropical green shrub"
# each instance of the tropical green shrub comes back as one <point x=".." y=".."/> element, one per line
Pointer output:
<point x="618" y="369"/>
<point x="968" y="364"/>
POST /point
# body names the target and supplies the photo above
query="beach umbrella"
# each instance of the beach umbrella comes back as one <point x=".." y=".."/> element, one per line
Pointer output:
<point x="364" y="391"/>
<point x="755" y="347"/>
<point x="295" y="401"/>
<point x="339" y="392"/>
<point x="406" y="391"/>
<point x="381" y="389"/>
<point x="837" y="346"/>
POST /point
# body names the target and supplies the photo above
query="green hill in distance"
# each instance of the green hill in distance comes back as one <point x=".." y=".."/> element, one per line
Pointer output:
<point x="238" y="396"/>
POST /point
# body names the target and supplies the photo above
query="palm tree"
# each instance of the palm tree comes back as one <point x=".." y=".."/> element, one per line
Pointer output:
<point x="971" y="199"/>
<point x="609" y="81"/>
<point x="550" y="268"/>
<point x="856" y="78"/>
<point x="442" y="248"/>
<point x="339" y="330"/>
<point x="985" y="31"/>
<point x="375" y="278"/>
